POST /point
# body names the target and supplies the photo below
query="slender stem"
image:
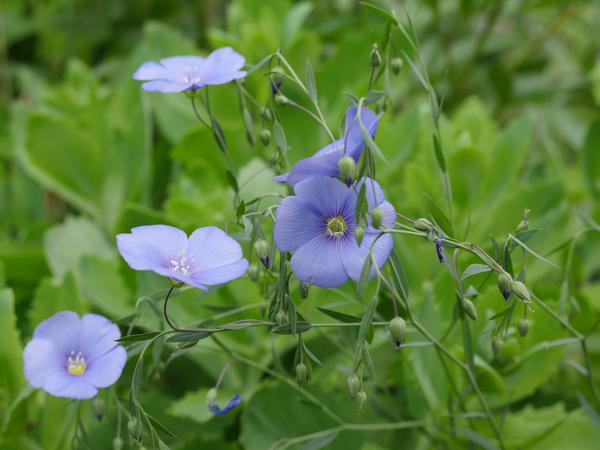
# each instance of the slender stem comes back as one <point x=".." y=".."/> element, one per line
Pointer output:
<point x="198" y="116"/>
<point x="166" y="314"/>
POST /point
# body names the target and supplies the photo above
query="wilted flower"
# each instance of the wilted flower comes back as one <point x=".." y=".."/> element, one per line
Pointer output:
<point x="325" y="161"/>
<point x="190" y="73"/>
<point x="210" y="256"/>
<point x="439" y="249"/>
<point x="214" y="408"/>
<point x="72" y="357"/>
<point x="317" y="225"/>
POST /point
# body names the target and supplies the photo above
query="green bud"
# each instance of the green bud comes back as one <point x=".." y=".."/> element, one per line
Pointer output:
<point x="117" y="443"/>
<point x="470" y="308"/>
<point x="280" y="317"/>
<point x="353" y="385"/>
<point x="524" y="223"/>
<point x="504" y="283"/>
<point x="134" y="429"/>
<point x="359" y="233"/>
<point x="376" y="217"/>
<point x="211" y="395"/>
<point x="497" y="345"/>
<point x="253" y="272"/>
<point x="98" y="406"/>
<point x="347" y="167"/>
<point x="396" y="65"/>
<point x="262" y="248"/>
<point x="523" y="326"/>
<point x="265" y="136"/>
<point x="423" y="224"/>
<point x="397" y="328"/>
<point x="266" y="114"/>
<point x="304" y="289"/>
<point x="301" y="373"/>
<point x="520" y="290"/>
<point x="281" y="99"/>
<point x="375" y="56"/>
<point x="361" y="399"/>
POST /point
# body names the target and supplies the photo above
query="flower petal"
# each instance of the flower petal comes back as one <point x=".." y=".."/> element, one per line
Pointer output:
<point x="106" y="370"/>
<point x="297" y="222"/>
<point x="62" y="330"/>
<point x="212" y="247"/>
<point x="354" y="138"/>
<point x="70" y="386"/>
<point x="222" y="274"/>
<point x="165" y="86"/>
<point x="222" y="66"/>
<point x="42" y="361"/>
<point x="214" y="408"/>
<point x="97" y="336"/>
<point x="281" y="178"/>
<point x="328" y="195"/>
<point x="324" y="163"/>
<point x="151" y="70"/>
<point x="182" y="65"/>
<point x="319" y="262"/>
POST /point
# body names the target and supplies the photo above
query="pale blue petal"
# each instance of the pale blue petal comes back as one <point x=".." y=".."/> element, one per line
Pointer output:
<point x="151" y="70"/>
<point x="297" y="222"/>
<point x="62" y="329"/>
<point x="106" y="370"/>
<point x="222" y="274"/>
<point x="211" y="247"/>
<point x="70" y="386"/>
<point x="221" y="66"/>
<point x="183" y="65"/>
<point x="97" y="336"/>
<point x="166" y="86"/>
<point x="42" y="361"/>
<point x="319" y="262"/>
<point x="329" y="196"/>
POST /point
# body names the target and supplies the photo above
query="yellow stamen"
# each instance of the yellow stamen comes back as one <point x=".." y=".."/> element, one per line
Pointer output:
<point x="336" y="226"/>
<point x="76" y="364"/>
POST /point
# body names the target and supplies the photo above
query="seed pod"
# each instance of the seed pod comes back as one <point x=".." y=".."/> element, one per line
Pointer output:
<point x="280" y="317"/>
<point x="353" y="385"/>
<point x="281" y="99"/>
<point x="262" y="248"/>
<point x="523" y="326"/>
<point x="265" y="113"/>
<point x="397" y="328"/>
<point x="253" y="272"/>
<point x="423" y="224"/>
<point x="359" y="233"/>
<point x="376" y="217"/>
<point x="265" y="136"/>
<point x="117" y="443"/>
<point x="347" y="167"/>
<point x="497" y="345"/>
<point x="470" y="308"/>
<point x="361" y="399"/>
<point x="134" y="429"/>
<point x="375" y="56"/>
<point x="304" y="289"/>
<point x="301" y="373"/>
<point x="504" y="283"/>
<point x="396" y="65"/>
<point x="520" y="290"/>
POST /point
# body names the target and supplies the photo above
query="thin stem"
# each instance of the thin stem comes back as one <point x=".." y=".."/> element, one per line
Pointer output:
<point x="166" y="314"/>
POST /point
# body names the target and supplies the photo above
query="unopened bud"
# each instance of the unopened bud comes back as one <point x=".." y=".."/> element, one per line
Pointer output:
<point x="211" y="395"/>
<point x="262" y="248"/>
<point x="347" y="167"/>
<point x="266" y="114"/>
<point x="396" y="65"/>
<point x="265" y="136"/>
<point x="497" y="345"/>
<point x="253" y="272"/>
<point x="520" y="290"/>
<point x="397" y="328"/>
<point x="524" y="223"/>
<point x="281" y="99"/>
<point x="361" y="399"/>
<point x="117" y="443"/>
<point x="376" y="217"/>
<point x="134" y="429"/>
<point x="423" y="224"/>
<point x="280" y="317"/>
<point x="523" y="326"/>
<point x="504" y="283"/>
<point x="353" y="385"/>
<point x="470" y="308"/>
<point x="98" y="406"/>
<point x="375" y="56"/>
<point x="304" y="289"/>
<point x="359" y="233"/>
<point x="276" y="80"/>
<point x="301" y="373"/>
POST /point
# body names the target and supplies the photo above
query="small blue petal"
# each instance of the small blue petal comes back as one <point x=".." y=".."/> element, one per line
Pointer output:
<point x="214" y="408"/>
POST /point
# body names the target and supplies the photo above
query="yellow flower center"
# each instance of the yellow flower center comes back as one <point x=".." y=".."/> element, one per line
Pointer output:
<point x="336" y="226"/>
<point x="76" y="364"/>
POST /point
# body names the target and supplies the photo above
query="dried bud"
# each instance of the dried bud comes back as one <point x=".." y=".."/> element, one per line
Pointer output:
<point x="117" y="443"/>
<point x="470" y="308"/>
<point x="504" y="283"/>
<point x="265" y="136"/>
<point x="98" y="406"/>
<point x="301" y="373"/>
<point x="523" y="326"/>
<point x="361" y="399"/>
<point x="281" y="99"/>
<point x="439" y="249"/>
<point x="359" y="233"/>
<point x="253" y="272"/>
<point x="134" y="429"/>
<point x="347" y="167"/>
<point x="304" y="289"/>
<point x="423" y="224"/>
<point x="397" y="328"/>
<point x="266" y="114"/>
<point x="353" y="385"/>
<point x="211" y="395"/>
<point x="262" y="248"/>
<point x="375" y="56"/>
<point x="396" y="64"/>
<point x="280" y="317"/>
<point x="520" y="290"/>
<point x="376" y="217"/>
<point x="497" y="345"/>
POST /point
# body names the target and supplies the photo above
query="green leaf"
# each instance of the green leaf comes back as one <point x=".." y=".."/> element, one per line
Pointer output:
<point x="399" y="276"/>
<point x="311" y="84"/>
<point x="301" y="326"/>
<point x="590" y="158"/>
<point x="279" y="136"/>
<point x="365" y="275"/>
<point x="292" y="23"/>
<point x="11" y="352"/>
<point x="365" y="326"/>
<point x="474" y="269"/>
<point x="189" y="336"/>
<point x="342" y="317"/>
<point x="139" y="337"/>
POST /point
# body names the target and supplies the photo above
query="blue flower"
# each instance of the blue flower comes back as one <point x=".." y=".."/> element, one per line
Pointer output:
<point x="214" y="408"/>
<point x="325" y="161"/>
<point x="210" y="256"/>
<point x="190" y="73"/>
<point x="317" y="226"/>
<point x="72" y="357"/>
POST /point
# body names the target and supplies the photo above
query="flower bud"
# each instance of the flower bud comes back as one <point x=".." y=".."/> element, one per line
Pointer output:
<point x="281" y="99"/>
<point x="304" y="289"/>
<point x="98" y="406"/>
<point x="347" y="167"/>
<point x="375" y="56"/>
<point x="359" y="233"/>
<point x="361" y="399"/>
<point x="276" y="80"/>
<point x="470" y="308"/>
<point x="117" y="443"/>
<point x="524" y="223"/>
<point x="376" y="217"/>
<point x="265" y="113"/>
<point x="280" y="317"/>
<point x="253" y="272"/>
<point x="301" y="373"/>
<point x="397" y="328"/>
<point x="262" y="248"/>
<point x="423" y="224"/>
<point x="523" y="326"/>
<point x="134" y="429"/>
<point x="497" y="345"/>
<point x="265" y="136"/>
<point x="504" y="283"/>
<point x="396" y="64"/>
<point x="211" y="395"/>
<point x="353" y="385"/>
<point x="520" y="290"/>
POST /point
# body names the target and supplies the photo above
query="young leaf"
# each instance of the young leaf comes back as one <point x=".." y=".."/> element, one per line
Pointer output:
<point x="311" y="84"/>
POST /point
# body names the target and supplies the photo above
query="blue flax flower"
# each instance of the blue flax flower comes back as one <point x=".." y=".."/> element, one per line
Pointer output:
<point x="72" y="357"/>
<point x="317" y="226"/>
<point x="325" y="161"/>
<point x="190" y="73"/>
<point x="210" y="256"/>
<point x="214" y="408"/>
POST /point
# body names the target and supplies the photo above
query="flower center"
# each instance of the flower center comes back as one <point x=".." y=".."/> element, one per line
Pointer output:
<point x="76" y="364"/>
<point x="182" y="264"/>
<point x="336" y="226"/>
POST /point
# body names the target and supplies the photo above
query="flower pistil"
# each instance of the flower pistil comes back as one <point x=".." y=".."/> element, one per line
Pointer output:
<point x="336" y="226"/>
<point x="76" y="364"/>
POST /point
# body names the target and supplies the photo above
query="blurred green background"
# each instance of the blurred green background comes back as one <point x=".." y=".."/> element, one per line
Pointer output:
<point x="85" y="154"/>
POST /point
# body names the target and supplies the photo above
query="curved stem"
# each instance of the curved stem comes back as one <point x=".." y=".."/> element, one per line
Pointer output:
<point x="166" y="314"/>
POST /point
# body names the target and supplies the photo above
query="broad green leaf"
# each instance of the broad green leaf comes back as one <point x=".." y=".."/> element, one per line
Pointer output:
<point x="590" y="158"/>
<point x="11" y="352"/>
